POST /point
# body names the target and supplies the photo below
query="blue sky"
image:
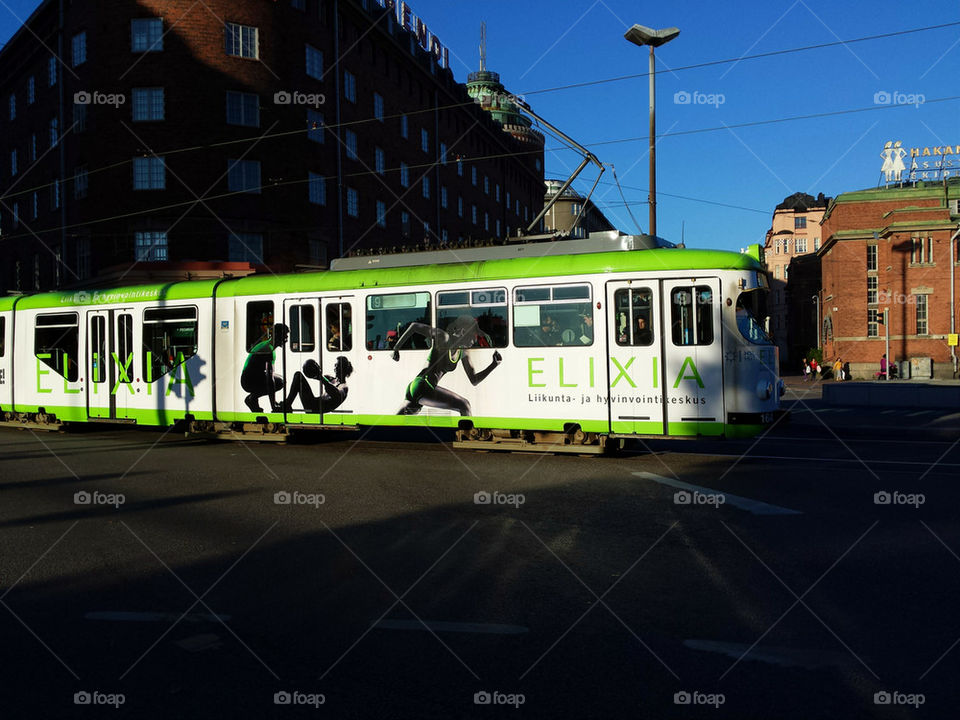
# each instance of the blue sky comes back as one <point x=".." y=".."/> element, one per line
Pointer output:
<point x="540" y="44"/>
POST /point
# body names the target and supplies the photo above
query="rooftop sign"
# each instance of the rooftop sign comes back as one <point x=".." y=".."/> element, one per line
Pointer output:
<point x="426" y="39"/>
<point x="925" y="163"/>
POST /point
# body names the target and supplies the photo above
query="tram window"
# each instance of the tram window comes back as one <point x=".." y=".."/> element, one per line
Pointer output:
<point x="125" y="347"/>
<point x="339" y="327"/>
<point x="259" y="322"/>
<point x="3" y="336"/>
<point x="488" y="307"/>
<point x="56" y="342"/>
<point x="302" y="329"/>
<point x="633" y="316"/>
<point x="98" y="349"/>
<point x="550" y="316"/>
<point x="169" y="339"/>
<point x="692" y="315"/>
<point x="747" y="318"/>
<point x="388" y="316"/>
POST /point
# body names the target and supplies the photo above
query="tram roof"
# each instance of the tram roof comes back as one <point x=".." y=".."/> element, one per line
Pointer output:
<point x="661" y="259"/>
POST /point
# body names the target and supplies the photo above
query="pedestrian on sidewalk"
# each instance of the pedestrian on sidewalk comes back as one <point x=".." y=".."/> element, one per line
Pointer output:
<point x="814" y="369"/>
<point x="806" y="370"/>
<point x="838" y="370"/>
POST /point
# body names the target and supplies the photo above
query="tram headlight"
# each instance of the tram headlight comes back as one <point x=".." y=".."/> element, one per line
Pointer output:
<point x="764" y="389"/>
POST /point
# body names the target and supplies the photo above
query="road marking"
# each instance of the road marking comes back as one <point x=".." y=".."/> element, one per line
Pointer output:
<point x="751" y="506"/>
<point x="459" y="627"/>
<point x="887" y="412"/>
<point x="920" y="412"/>
<point x="785" y="657"/>
<point x="120" y="616"/>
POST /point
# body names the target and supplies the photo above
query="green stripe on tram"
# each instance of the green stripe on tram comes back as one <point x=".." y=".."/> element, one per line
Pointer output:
<point x="658" y="260"/>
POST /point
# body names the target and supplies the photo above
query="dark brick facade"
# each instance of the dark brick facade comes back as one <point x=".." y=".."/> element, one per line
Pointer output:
<point x="94" y="235"/>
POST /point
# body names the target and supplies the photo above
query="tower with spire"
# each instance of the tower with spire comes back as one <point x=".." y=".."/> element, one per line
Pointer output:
<point x="485" y="88"/>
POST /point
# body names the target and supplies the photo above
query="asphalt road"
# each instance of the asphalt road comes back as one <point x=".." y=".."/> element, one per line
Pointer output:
<point x="587" y="587"/>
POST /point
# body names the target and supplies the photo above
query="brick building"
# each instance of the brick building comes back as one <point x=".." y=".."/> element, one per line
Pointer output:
<point x="794" y="232"/>
<point x="161" y="139"/>
<point x="892" y="248"/>
<point x="569" y="205"/>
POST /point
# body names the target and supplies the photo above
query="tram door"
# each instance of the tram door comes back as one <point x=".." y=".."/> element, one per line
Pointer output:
<point x="634" y="339"/>
<point x="340" y="354"/>
<point x="301" y="362"/>
<point x="693" y="356"/>
<point x="108" y="363"/>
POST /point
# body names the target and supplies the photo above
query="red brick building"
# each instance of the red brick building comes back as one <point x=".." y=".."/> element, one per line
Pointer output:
<point x="890" y="248"/>
<point x="156" y="139"/>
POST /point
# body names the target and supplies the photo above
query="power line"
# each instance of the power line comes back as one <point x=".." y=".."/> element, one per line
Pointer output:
<point x="772" y="53"/>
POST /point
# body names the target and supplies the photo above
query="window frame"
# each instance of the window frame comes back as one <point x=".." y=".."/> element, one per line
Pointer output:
<point x="518" y="302"/>
<point x="145" y="322"/>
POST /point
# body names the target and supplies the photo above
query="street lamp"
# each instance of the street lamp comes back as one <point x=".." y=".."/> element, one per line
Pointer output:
<point x="641" y="35"/>
<point x="816" y="299"/>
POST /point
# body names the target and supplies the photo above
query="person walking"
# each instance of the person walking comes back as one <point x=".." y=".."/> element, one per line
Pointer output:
<point x="806" y="370"/>
<point x="814" y="369"/>
<point x="838" y="370"/>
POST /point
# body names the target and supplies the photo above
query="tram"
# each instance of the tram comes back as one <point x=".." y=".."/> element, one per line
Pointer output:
<point x="533" y="345"/>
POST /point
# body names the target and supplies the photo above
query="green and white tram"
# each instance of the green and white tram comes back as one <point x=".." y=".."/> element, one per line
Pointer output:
<point x="529" y="345"/>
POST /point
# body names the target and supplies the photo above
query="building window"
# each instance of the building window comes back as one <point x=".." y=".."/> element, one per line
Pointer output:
<point x="79" y="118"/>
<point x="353" y="203"/>
<point x="473" y="175"/>
<point x="873" y="323"/>
<point x="497" y="194"/>
<point x="31" y="90"/>
<point x="921" y="315"/>
<point x="13" y="106"/>
<point x="871" y="258"/>
<point x="425" y="141"/>
<point x="801" y="245"/>
<point x="460" y="168"/>
<point x="146" y="35"/>
<point x="777" y="246"/>
<point x="150" y="246"/>
<point x="299" y="5"/>
<point x="426" y="187"/>
<point x="486" y="222"/>
<point x="147" y="104"/>
<point x="33" y="147"/>
<point x="243" y="176"/>
<point x="16" y="215"/>
<point x="349" y="86"/>
<point x="443" y="197"/>
<point x="378" y="106"/>
<point x="381" y="214"/>
<point x="318" y="189"/>
<point x="379" y="160"/>
<point x="36" y="205"/>
<point x="78" y="49"/>
<point x="351" y="138"/>
<point x="83" y="258"/>
<point x="55" y="194"/>
<point x="921" y="250"/>
<point x="314" y="62"/>
<point x="242" y="41"/>
<point x="315" y="126"/>
<point x="242" y="109"/>
<point x="246" y="247"/>
<point x="443" y="153"/>
<point x="816" y="246"/>
<point x="80" y="182"/>
<point x="460" y="206"/>
<point x="404" y="175"/>
<point x="799" y="223"/>
<point x="54" y="128"/>
<point x="871" y="290"/>
<point x="51" y="72"/>
<point x="498" y="228"/>
<point x="149" y="173"/>
<point x="404" y="126"/>
<point x="473" y="214"/>
<point x="13" y="162"/>
<point x="486" y="184"/>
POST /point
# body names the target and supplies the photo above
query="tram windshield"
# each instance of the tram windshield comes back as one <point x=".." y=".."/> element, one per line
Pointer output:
<point x="750" y="307"/>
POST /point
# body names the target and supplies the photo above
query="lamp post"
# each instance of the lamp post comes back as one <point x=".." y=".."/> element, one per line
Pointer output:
<point x="816" y="299"/>
<point x="640" y="35"/>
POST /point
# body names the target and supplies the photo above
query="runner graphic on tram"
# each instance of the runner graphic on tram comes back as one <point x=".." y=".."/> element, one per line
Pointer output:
<point x="448" y="351"/>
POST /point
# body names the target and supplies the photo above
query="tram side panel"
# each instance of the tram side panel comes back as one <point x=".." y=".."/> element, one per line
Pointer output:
<point x="48" y="359"/>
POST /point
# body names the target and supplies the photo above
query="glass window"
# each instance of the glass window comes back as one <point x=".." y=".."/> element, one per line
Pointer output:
<point x="31" y="90"/>
<point x="302" y="329"/>
<point x="552" y="315"/>
<point x="318" y="189"/>
<point x="146" y="34"/>
<point x="259" y="322"/>
<point x="125" y="347"/>
<point x="80" y="182"/>
<point x="921" y="314"/>
<point x="79" y="118"/>
<point x="339" y="327"/>
<point x="169" y="339"/>
<point x="52" y="71"/>
<point x="314" y="62"/>
<point x="379" y="161"/>
<point x="3" y="335"/>
<point x="378" y="106"/>
<point x="246" y="247"/>
<point x="871" y="257"/>
<point x="241" y="41"/>
<point x="150" y="246"/>
<point x="404" y="126"/>
<point x="801" y="245"/>
<point x="381" y="214"/>
<point x="55" y="343"/>
<point x="78" y="49"/>
<point x="349" y="86"/>
<point x="98" y="349"/>
<point x="871" y="290"/>
<point x="748" y="313"/>
<point x="243" y="109"/>
<point x="147" y="104"/>
<point x="243" y="176"/>
<point x="487" y="307"/>
<point x="691" y="311"/>
<point x="799" y="223"/>
<point x="388" y="316"/>
<point x="149" y="173"/>
<point x="633" y="313"/>
<point x="404" y="175"/>
<point x="426" y="187"/>
<point x="873" y="323"/>
<point x="353" y="203"/>
<point x="351" y="145"/>
<point x="425" y="141"/>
